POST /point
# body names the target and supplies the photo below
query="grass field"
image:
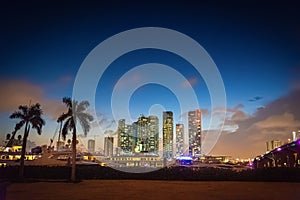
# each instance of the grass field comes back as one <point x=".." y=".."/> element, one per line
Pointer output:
<point x="154" y="190"/>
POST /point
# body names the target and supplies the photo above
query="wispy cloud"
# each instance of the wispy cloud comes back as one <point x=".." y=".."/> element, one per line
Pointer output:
<point x="257" y="98"/>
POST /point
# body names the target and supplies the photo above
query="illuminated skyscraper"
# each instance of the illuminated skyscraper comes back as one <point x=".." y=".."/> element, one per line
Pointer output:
<point x="195" y="129"/>
<point x="168" y="134"/>
<point x="120" y="131"/>
<point x="153" y="134"/>
<point x="124" y="138"/>
<point x="108" y="146"/>
<point x="147" y="134"/>
<point x="179" y="139"/>
<point x="142" y="134"/>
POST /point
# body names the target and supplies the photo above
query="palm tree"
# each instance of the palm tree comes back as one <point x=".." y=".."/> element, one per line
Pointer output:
<point x="76" y="111"/>
<point x="11" y="140"/>
<point x="31" y="117"/>
<point x="8" y="136"/>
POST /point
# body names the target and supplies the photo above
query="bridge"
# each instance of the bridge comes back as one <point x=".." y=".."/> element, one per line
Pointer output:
<point x="287" y="155"/>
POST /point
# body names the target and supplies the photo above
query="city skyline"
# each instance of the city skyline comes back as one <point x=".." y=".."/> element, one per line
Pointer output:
<point x="143" y="136"/>
<point x="255" y="49"/>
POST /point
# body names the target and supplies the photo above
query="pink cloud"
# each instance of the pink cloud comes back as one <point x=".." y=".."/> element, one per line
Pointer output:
<point x="20" y="92"/>
<point x="128" y="81"/>
<point x="276" y="120"/>
<point x="191" y="81"/>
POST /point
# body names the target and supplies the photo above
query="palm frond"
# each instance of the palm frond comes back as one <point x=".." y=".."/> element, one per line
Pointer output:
<point x="85" y="126"/>
<point x="82" y="106"/>
<point x="66" y="127"/>
<point x="37" y="123"/>
<point x="63" y="117"/>
<point x="85" y="116"/>
<point x="17" y="115"/>
<point x="24" y="109"/>
<point x="19" y="125"/>
<point x="35" y="110"/>
<point x="84" y="120"/>
<point x="67" y="101"/>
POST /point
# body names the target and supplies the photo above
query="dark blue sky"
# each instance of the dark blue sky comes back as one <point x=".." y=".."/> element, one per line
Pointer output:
<point x="255" y="45"/>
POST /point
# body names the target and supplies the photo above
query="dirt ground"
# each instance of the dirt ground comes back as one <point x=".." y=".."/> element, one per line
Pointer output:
<point x="154" y="190"/>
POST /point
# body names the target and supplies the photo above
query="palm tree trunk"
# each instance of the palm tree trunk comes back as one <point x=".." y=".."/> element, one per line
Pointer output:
<point x="23" y="152"/>
<point x="73" y="173"/>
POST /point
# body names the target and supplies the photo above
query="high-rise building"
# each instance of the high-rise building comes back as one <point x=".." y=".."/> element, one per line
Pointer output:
<point x="179" y="139"/>
<point x="147" y="134"/>
<point x="142" y="134"/>
<point x="273" y="144"/>
<point x="195" y="129"/>
<point x="108" y="146"/>
<point x="168" y="134"/>
<point x="296" y="135"/>
<point x="91" y="146"/>
<point x="153" y="134"/>
<point x="124" y="137"/>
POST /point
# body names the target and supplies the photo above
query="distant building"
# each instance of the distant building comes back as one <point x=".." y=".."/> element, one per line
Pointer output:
<point x="168" y="134"/>
<point x="124" y="137"/>
<point x="153" y="134"/>
<point x="142" y="144"/>
<point x="140" y="136"/>
<point x="144" y="160"/>
<point x="273" y="144"/>
<point x="296" y="135"/>
<point x="195" y="130"/>
<point x="179" y="139"/>
<point x="108" y="146"/>
<point x="91" y="146"/>
<point x="147" y="134"/>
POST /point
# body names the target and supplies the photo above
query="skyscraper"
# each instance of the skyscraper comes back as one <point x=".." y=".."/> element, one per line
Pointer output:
<point x="179" y="139"/>
<point x="142" y="134"/>
<point x="273" y="144"/>
<point x="147" y="134"/>
<point x="91" y="146"/>
<point x="153" y="134"/>
<point x="108" y="146"/>
<point x="124" y="138"/>
<point x="195" y="129"/>
<point x="168" y="134"/>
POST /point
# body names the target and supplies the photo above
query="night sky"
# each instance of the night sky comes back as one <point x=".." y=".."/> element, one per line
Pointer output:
<point x="255" y="45"/>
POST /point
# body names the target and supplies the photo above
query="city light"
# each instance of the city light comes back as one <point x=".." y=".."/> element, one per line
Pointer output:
<point x="184" y="158"/>
<point x="279" y="149"/>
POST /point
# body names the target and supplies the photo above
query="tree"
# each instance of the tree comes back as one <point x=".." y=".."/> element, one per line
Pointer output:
<point x="69" y="142"/>
<point x="8" y="136"/>
<point x="31" y="117"/>
<point x="76" y="112"/>
<point x="11" y="141"/>
<point x="19" y="142"/>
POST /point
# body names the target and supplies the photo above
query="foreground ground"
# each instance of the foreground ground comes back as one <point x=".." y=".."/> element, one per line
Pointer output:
<point x="131" y="189"/>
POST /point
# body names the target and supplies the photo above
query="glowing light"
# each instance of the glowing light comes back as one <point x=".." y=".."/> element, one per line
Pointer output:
<point x="184" y="158"/>
<point x="279" y="149"/>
